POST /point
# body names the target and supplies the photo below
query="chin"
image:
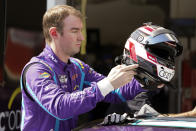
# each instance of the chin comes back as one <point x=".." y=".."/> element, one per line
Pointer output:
<point x="74" y="53"/>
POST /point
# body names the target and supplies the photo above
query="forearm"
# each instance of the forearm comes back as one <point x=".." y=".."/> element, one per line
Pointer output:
<point x="191" y="113"/>
<point x="184" y="114"/>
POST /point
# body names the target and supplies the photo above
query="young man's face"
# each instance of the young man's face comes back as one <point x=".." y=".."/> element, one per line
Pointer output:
<point x="70" y="41"/>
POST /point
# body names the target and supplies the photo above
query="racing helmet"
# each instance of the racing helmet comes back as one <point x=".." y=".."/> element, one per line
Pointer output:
<point x="154" y="49"/>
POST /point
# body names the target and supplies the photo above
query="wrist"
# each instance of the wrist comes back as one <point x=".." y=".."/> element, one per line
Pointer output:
<point x="105" y="86"/>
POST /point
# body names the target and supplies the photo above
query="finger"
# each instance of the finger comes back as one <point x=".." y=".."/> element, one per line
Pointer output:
<point x="117" y="118"/>
<point x="123" y="117"/>
<point x="161" y="85"/>
<point x="109" y="119"/>
<point x="118" y="67"/>
<point x="130" y="73"/>
<point x="106" y="120"/>
<point x="161" y="115"/>
<point x="129" y="67"/>
<point x="113" y="116"/>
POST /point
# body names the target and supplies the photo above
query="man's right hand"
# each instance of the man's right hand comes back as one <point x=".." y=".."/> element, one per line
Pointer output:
<point x="121" y="75"/>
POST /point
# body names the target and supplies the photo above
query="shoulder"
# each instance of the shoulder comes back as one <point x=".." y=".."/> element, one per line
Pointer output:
<point x="37" y="72"/>
<point x="37" y="65"/>
<point x="82" y="64"/>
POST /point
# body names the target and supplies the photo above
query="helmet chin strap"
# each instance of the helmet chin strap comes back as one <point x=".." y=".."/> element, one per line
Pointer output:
<point x="148" y="81"/>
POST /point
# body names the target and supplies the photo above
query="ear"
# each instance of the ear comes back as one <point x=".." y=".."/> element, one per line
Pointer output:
<point x="53" y="32"/>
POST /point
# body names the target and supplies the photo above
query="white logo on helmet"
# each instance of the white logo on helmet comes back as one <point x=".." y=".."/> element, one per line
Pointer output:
<point x="165" y="73"/>
<point x="140" y="38"/>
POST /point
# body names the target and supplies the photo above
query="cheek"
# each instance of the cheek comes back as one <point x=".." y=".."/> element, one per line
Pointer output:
<point x="69" y="37"/>
<point x="68" y="41"/>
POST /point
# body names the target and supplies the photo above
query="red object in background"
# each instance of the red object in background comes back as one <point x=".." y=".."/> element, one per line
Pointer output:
<point x="21" y="46"/>
<point x="186" y="86"/>
<point x="186" y="74"/>
<point x="16" y="57"/>
<point x="187" y="105"/>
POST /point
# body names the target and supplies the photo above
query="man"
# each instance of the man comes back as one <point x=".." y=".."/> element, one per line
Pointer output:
<point x="56" y="87"/>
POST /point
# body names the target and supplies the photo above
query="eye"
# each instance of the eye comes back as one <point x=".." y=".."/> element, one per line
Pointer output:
<point x="74" y="31"/>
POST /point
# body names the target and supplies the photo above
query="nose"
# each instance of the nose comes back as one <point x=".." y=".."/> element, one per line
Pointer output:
<point x="81" y="36"/>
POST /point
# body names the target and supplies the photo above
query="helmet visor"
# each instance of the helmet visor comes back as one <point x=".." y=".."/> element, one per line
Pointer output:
<point x="162" y="38"/>
<point x="165" y="51"/>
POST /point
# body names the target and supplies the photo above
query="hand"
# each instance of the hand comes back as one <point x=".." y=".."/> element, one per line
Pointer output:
<point x="121" y="75"/>
<point x="193" y="112"/>
<point x="114" y="119"/>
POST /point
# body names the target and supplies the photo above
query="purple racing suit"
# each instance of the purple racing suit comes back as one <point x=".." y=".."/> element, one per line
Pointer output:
<point x="62" y="91"/>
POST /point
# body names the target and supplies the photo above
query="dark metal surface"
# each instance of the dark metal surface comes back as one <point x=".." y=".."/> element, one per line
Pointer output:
<point x="133" y="128"/>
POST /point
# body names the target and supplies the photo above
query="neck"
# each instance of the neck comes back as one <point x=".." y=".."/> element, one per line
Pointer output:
<point x="59" y="53"/>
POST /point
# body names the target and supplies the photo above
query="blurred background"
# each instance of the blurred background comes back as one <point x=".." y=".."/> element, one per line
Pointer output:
<point x="108" y="25"/>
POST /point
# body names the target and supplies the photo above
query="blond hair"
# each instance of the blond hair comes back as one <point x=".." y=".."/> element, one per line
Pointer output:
<point x="54" y="18"/>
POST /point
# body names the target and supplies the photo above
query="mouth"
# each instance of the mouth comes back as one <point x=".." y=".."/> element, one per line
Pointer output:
<point x="78" y="45"/>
